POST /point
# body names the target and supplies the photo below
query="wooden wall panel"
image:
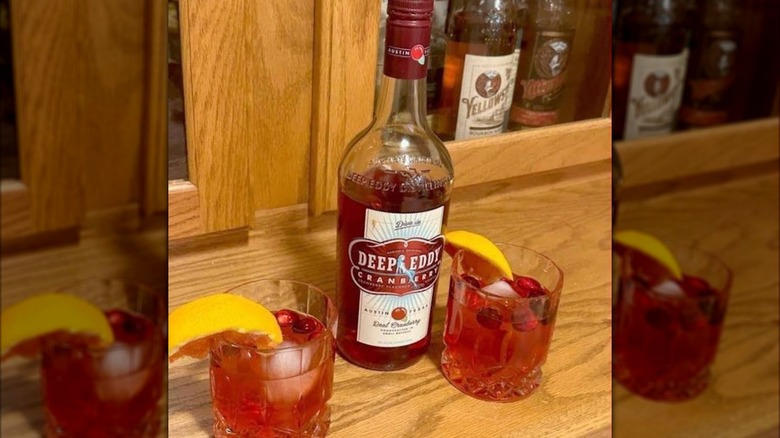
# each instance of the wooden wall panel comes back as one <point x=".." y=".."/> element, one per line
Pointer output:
<point x="519" y="153"/>
<point x="345" y="43"/>
<point x="112" y="84"/>
<point x="218" y="93"/>
<point x="47" y="77"/>
<point x="280" y="45"/>
<point x="715" y="149"/>
<point x="590" y="65"/>
<point x="154" y="151"/>
<point x="15" y="218"/>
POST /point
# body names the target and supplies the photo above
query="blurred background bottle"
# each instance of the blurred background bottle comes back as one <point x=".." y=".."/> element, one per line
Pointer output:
<point x="650" y="57"/>
<point x="712" y="65"/>
<point x="546" y="49"/>
<point x="480" y="67"/>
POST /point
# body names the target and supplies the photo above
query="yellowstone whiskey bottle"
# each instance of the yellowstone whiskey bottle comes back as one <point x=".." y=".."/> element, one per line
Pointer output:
<point x="650" y="58"/>
<point x="479" y="68"/>
<point x="395" y="180"/>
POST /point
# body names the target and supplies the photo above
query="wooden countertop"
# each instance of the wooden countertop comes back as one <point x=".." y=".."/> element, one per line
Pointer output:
<point x="738" y="220"/>
<point x="565" y="215"/>
<point x="129" y="251"/>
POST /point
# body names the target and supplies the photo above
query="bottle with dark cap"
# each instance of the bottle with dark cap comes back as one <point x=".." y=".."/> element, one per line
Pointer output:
<point x="395" y="181"/>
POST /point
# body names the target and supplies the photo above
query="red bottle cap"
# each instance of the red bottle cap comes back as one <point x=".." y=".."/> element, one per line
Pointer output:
<point x="407" y="38"/>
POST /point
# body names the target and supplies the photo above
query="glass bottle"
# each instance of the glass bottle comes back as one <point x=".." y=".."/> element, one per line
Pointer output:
<point x="713" y="64"/>
<point x="480" y="68"/>
<point x="547" y="42"/>
<point x="650" y="56"/>
<point x="395" y="181"/>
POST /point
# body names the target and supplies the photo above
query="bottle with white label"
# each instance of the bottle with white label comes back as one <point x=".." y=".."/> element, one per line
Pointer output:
<point x="650" y="58"/>
<point x="395" y="181"/>
<point x="479" y="68"/>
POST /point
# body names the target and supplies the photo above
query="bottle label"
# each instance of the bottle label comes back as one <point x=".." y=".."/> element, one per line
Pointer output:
<point x="710" y="80"/>
<point x="655" y="94"/>
<point x="484" y="95"/>
<point x="396" y="266"/>
<point x="543" y="87"/>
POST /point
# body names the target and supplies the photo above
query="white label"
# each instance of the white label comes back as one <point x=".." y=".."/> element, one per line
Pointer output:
<point x="655" y="94"/>
<point x="400" y="263"/>
<point x="485" y="95"/>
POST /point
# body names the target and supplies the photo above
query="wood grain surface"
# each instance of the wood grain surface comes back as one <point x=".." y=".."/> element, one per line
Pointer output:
<point x="280" y="54"/>
<point x="217" y="99"/>
<point x="346" y="35"/>
<point x="565" y="215"/>
<point x="154" y="184"/>
<point x="124" y="253"/>
<point x="654" y="159"/>
<point x="738" y="221"/>
<point x="184" y="218"/>
<point x="15" y="216"/>
<point x="530" y="151"/>
<point x="111" y="84"/>
<point x="590" y="62"/>
<point x="46" y="74"/>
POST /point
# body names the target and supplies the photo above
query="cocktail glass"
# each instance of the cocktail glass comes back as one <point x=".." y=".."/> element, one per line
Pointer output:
<point x="497" y="338"/>
<point x="283" y="391"/>
<point x="666" y="331"/>
<point x="114" y="391"/>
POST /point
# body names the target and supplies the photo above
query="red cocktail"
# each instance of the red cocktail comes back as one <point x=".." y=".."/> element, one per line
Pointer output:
<point x="115" y="391"/>
<point x="666" y="330"/>
<point x="497" y="332"/>
<point x="282" y="391"/>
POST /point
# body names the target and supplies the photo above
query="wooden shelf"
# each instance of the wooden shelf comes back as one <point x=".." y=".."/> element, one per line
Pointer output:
<point x="685" y="154"/>
<point x="564" y="214"/>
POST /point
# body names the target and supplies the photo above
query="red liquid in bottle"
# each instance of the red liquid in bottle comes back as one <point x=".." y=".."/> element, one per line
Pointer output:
<point x="419" y="195"/>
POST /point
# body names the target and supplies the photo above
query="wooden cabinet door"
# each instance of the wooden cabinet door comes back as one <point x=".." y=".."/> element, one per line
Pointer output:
<point x="82" y="88"/>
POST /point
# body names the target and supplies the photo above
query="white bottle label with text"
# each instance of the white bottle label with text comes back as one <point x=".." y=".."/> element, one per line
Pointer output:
<point x="485" y="95"/>
<point x="655" y="94"/>
<point x="396" y="266"/>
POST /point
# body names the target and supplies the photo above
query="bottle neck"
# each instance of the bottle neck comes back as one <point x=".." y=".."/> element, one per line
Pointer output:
<point x="402" y="101"/>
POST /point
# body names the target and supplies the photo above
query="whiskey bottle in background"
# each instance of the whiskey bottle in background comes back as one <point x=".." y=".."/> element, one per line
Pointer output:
<point x="712" y="65"/>
<point x="649" y="63"/>
<point x="479" y="66"/>
<point x="395" y="181"/>
<point x="547" y="42"/>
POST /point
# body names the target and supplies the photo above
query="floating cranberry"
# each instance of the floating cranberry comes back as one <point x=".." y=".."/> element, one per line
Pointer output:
<point x="528" y="287"/>
<point x="286" y="317"/>
<point x="115" y="317"/>
<point x="305" y="325"/>
<point x="398" y="313"/>
<point x="658" y="318"/>
<point x="524" y="320"/>
<point x="489" y="317"/>
<point x="695" y="286"/>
